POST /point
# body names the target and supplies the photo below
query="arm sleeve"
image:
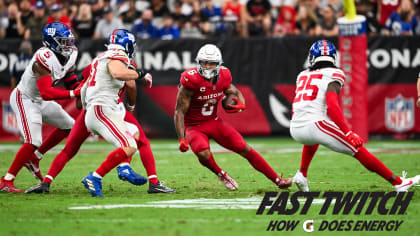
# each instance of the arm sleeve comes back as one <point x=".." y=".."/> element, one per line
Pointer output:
<point x="48" y="92"/>
<point x="335" y="113"/>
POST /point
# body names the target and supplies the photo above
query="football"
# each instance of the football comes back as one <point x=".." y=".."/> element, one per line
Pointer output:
<point x="228" y="100"/>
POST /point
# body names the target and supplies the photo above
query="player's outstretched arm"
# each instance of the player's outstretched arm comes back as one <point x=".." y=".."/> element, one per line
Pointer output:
<point x="336" y="114"/>
<point x="183" y="101"/>
<point x="118" y="71"/>
<point x="44" y="84"/>
<point x="131" y="94"/>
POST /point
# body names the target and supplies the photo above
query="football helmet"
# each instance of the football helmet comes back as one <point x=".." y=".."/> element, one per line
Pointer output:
<point x="209" y="53"/>
<point x="124" y="40"/>
<point x="322" y="50"/>
<point x="59" y="38"/>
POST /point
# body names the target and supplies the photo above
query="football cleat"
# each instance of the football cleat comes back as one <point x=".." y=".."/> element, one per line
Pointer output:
<point x="8" y="186"/>
<point x="228" y="181"/>
<point x="126" y="173"/>
<point x="301" y="182"/>
<point x="40" y="188"/>
<point x="407" y="183"/>
<point x="159" y="188"/>
<point x="33" y="167"/>
<point x="93" y="184"/>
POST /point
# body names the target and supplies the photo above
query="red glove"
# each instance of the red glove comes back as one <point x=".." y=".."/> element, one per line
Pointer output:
<point x="76" y="92"/>
<point x="236" y="108"/>
<point x="354" y="139"/>
<point x="183" y="145"/>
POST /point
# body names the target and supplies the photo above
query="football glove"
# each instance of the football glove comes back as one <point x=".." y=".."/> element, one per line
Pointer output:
<point x="183" y="145"/>
<point x="236" y="108"/>
<point x="354" y="139"/>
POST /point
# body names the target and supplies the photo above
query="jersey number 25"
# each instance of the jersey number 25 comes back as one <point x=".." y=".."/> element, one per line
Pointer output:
<point x="306" y="91"/>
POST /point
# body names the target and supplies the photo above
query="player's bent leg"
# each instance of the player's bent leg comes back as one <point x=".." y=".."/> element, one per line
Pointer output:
<point x="233" y="140"/>
<point x="206" y="159"/>
<point x="300" y="178"/>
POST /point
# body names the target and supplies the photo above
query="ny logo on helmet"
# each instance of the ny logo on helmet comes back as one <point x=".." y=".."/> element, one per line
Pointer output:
<point x="51" y="31"/>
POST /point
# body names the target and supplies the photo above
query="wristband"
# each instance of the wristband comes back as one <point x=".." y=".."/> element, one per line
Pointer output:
<point x="130" y="107"/>
<point x="72" y="94"/>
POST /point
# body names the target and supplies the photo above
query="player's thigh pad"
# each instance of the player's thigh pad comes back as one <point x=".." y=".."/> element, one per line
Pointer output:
<point x="28" y="116"/>
<point x="54" y="114"/>
<point x="225" y="135"/>
<point x="197" y="139"/>
<point x="109" y="123"/>
<point x="325" y="133"/>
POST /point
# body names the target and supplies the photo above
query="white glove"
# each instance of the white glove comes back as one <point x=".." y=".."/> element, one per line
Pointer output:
<point x="148" y="78"/>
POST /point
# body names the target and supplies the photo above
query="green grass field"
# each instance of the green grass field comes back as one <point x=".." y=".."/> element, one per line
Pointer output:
<point x="59" y="213"/>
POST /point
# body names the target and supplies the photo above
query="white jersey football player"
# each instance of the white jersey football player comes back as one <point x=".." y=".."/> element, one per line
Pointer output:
<point x="32" y="99"/>
<point x="318" y="119"/>
<point x="104" y="114"/>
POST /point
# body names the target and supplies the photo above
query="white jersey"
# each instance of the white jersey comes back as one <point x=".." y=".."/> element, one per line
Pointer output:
<point x="310" y="105"/>
<point x="101" y="88"/>
<point x="49" y="60"/>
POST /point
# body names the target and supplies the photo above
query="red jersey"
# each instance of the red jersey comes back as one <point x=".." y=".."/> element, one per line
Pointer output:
<point x="205" y="95"/>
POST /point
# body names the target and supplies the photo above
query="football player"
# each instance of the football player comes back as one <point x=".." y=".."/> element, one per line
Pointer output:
<point x="200" y="90"/>
<point x="80" y="133"/>
<point x="104" y="115"/>
<point x="32" y="99"/>
<point x="318" y="119"/>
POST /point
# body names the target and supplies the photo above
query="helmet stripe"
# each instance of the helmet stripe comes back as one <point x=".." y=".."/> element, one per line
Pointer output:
<point x="113" y="34"/>
<point x="325" y="47"/>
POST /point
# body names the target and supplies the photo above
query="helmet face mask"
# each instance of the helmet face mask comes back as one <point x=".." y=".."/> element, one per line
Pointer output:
<point x="124" y="40"/>
<point x="322" y="50"/>
<point x="58" y="38"/>
<point x="209" y="54"/>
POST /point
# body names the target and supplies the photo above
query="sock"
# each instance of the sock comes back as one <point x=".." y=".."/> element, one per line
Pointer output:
<point x="308" y="153"/>
<point x="374" y="164"/>
<point x="153" y="179"/>
<point x="145" y="151"/>
<point x="127" y="160"/>
<point x="211" y="164"/>
<point x="53" y="139"/>
<point x="258" y="162"/>
<point x="77" y="136"/>
<point x="48" y="178"/>
<point x="124" y="163"/>
<point x="22" y="156"/>
<point x="57" y="166"/>
<point x="38" y="154"/>
<point x="146" y="156"/>
<point x="96" y="175"/>
<point x="113" y="159"/>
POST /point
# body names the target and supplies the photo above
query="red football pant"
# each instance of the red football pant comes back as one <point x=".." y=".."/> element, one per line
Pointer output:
<point x="223" y="133"/>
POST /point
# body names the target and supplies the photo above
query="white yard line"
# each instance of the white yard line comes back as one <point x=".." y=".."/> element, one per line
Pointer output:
<point x="201" y="203"/>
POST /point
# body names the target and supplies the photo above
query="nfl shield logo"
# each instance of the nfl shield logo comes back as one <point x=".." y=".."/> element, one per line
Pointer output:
<point x="399" y="113"/>
<point x="9" y="119"/>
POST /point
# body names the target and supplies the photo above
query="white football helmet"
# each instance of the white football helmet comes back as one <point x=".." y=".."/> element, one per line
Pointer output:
<point x="210" y="53"/>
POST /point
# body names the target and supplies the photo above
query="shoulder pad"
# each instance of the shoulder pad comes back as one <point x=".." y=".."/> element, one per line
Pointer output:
<point x="44" y="56"/>
<point x="188" y="78"/>
<point x="117" y="55"/>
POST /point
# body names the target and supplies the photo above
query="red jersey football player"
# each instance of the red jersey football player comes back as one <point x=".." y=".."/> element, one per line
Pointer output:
<point x="201" y="88"/>
<point x="80" y="133"/>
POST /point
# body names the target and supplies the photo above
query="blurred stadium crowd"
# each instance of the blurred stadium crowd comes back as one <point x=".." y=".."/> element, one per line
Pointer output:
<point x="171" y="19"/>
